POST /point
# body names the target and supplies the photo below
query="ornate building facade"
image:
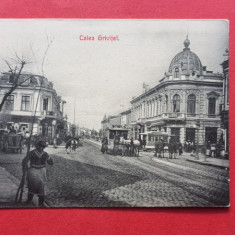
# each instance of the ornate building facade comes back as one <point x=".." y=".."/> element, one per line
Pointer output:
<point x="186" y="103"/>
<point x="34" y="97"/>
<point x="225" y="104"/>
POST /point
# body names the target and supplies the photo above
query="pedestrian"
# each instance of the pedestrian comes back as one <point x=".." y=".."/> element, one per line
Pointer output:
<point x="104" y="147"/>
<point x="55" y="142"/>
<point x="156" y="148"/>
<point x="35" y="166"/>
<point x="131" y="147"/>
<point x="208" y="148"/>
<point x="159" y="148"/>
<point x="144" y="143"/>
<point x="171" y="149"/>
<point x="180" y="148"/>
<point x="175" y="149"/>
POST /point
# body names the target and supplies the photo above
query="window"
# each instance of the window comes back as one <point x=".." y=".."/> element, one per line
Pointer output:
<point x="176" y="103"/>
<point x="9" y="103"/>
<point x="211" y="106"/>
<point x="191" y="104"/>
<point x="176" y="74"/>
<point x="227" y="88"/>
<point x="45" y="104"/>
<point x="25" y="103"/>
<point x="166" y="103"/>
<point x="33" y="81"/>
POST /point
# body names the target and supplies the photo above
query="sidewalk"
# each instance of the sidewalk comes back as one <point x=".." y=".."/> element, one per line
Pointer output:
<point x="9" y="183"/>
<point x="216" y="162"/>
<point x="8" y="188"/>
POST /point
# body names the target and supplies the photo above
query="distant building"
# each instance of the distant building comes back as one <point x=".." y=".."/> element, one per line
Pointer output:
<point x="185" y="103"/>
<point x="35" y="97"/>
<point x="126" y="118"/>
<point x="225" y="104"/>
<point x="111" y="121"/>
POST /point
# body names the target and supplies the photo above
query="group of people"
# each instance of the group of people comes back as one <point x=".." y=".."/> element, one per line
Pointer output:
<point x="173" y="147"/>
<point x="189" y="146"/>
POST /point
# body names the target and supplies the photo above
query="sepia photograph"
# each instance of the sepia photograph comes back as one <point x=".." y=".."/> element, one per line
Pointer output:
<point x="114" y="113"/>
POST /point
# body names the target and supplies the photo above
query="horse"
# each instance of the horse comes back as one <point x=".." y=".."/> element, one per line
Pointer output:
<point x="71" y="144"/>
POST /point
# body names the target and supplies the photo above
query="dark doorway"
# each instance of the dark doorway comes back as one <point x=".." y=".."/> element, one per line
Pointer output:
<point x="211" y="134"/>
<point x="175" y="132"/>
<point x="190" y="135"/>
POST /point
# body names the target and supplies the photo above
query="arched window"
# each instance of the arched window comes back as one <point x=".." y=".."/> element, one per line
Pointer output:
<point x="191" y="108"/>
<point x="211" y="106"/>
<point x="176" y="74"/>
<point x="176" y="103"/>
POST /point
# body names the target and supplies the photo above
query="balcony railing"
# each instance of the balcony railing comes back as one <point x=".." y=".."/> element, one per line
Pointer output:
<point x="173" y="115"/>
<point x="48" y="113"/>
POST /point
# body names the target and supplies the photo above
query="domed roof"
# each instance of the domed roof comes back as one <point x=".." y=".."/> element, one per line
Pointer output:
<point x="187" y="61"/>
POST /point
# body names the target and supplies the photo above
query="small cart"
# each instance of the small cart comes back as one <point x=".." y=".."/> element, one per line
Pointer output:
<point x="12" y="143"/>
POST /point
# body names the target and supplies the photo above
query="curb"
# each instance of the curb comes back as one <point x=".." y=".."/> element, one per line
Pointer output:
<point x="207" y="164"/>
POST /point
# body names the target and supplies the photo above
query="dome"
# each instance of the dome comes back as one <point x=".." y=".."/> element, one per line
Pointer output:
<point x="186" y="61"/>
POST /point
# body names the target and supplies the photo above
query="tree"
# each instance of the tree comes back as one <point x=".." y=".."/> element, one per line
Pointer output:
<point x="16" y="67"/>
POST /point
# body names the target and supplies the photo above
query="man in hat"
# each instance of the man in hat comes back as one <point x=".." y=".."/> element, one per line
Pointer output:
<point x="37" y="160"/>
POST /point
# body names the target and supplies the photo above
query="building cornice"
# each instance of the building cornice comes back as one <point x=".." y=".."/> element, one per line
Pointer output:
<point x="177" y="82"/>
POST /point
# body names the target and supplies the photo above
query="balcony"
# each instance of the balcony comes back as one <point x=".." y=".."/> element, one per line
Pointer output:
<point x="48" y="113"/>
<point x="173" y="115"/>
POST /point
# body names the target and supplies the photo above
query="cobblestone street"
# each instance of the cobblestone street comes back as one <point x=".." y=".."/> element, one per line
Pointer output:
<point x="88" y="178"/>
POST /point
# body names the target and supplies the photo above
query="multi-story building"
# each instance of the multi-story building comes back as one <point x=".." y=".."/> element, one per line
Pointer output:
<point x="225" y="104"/>
<point x="185" y="103"/>
<point x="33" y="104"/>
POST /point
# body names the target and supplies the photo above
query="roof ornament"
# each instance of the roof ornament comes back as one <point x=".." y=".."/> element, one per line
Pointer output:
<point x="186" y="42"/>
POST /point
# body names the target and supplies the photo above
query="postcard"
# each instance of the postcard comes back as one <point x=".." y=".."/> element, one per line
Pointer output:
<point x="114" y="113"/>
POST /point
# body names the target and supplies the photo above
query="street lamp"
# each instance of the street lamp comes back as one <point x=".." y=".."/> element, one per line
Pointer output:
<point x="197" y="148"/>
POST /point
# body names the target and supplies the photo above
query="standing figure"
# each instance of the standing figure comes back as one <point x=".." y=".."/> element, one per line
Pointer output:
<point x="131" y="147"/>
<point x="36" y="172"/>
<point x="144" y="143"/>
<point x="171" y="149"/>
<point x="104" y="147"/>
<point x="180" y="148"/>
<point x="158" y="148"/>
<point x="116" y="144"/>
<point x="68" y="144"/>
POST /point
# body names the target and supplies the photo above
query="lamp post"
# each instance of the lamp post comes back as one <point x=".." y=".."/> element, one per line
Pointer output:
<point x="63" y="103"/>
<point x="197" y="148"/>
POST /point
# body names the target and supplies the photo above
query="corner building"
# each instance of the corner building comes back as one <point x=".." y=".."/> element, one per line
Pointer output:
<point x="186" y="103"/>
<point x="36" y="96"/>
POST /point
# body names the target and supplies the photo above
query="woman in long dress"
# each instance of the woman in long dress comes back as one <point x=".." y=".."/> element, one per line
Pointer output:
<point x="37" y="160"/>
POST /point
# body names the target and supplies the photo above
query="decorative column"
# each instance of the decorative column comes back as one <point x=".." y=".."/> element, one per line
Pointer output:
<point x="182" y="135"/>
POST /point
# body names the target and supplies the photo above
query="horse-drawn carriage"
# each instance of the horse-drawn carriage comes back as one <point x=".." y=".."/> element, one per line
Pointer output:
<point x="151" y="138"/>
<point x="12" y="142"/>
<point x="117" y="143"/>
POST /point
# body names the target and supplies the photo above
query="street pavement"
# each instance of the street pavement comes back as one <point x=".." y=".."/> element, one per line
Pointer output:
<point x="88" y="178"/>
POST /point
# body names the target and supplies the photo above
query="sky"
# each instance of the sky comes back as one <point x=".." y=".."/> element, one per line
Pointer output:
<point x="101" y="77"/>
